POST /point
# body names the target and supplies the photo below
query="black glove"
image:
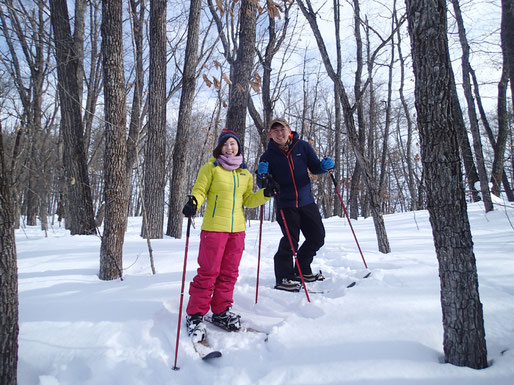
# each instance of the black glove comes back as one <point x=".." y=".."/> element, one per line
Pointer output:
<point x="191" y="206"/>
<point x="271" y="187"/>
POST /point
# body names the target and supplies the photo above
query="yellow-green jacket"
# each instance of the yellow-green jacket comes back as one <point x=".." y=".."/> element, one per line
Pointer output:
<point x="226" y="193"/>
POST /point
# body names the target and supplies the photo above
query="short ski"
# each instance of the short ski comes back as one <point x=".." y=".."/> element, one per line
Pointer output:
<point x="243" y="329"/>
<point x="204" y="350"/>
<point x="350" y="285"/>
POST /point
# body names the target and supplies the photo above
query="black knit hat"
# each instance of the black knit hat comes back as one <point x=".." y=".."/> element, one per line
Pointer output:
<point x="225" y="134"/>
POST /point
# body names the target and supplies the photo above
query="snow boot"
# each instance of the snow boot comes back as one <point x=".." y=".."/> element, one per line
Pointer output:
<point x="310" y="277"/>
<point x="227" y="320"/>
<point x="195" y="327"/>
<point x="288" y="285"/>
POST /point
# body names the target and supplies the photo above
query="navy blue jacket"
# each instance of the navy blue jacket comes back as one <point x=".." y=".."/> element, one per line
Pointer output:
<point x="289" y="170"/>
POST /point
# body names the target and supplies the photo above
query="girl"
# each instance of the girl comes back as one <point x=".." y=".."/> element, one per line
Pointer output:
<point x="227" y="185"/>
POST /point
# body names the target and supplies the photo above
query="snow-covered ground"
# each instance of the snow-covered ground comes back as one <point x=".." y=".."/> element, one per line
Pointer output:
<point x="76" y="329"/>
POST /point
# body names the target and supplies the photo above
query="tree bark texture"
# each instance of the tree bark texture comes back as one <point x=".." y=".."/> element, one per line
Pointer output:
<point x="115" y="190"/>
<point x="180" y="151"/>
<point x="464" y="335"/>
<point x="155" y="150"/>
<point x="8" y="280"/>
<point x="242" y="70"/>
<point x="79" y="202"/>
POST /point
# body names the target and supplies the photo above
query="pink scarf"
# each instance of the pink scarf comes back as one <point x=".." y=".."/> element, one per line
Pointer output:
<point x="229" y="162"/>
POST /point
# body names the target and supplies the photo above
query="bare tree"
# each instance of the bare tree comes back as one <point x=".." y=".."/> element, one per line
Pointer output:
<point x="241" y="70"/>
<point x="79" y="202"/>
<point x="507" y="38"/>
<point x="274" y="39"/>
<point x="410" y="126"/>
<point x="338" y="123"/>
<point x="138" y="22"/>
<point x="373" y="195"/>
<point x="115" y="190"/>
<point x="463" y="324"/>
<point x="499" y="145"/>
<point x="179" y="179"/>
<point x="240" y="55"/>
<point x="472" y="115"/>
<point x="28" y="48"/>
<point x="8" y="279"/>
<point x="155" y="147"/>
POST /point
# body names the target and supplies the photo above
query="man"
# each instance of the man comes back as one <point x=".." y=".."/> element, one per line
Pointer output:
<point x="286" y="163"/>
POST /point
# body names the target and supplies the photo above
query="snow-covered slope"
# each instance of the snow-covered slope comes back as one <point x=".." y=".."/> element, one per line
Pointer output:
<point x="76" y="329"/>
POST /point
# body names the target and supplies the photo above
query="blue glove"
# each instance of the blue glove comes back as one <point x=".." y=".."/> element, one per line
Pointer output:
<point x="262" y="168"/>
<point x="327" y="164"/>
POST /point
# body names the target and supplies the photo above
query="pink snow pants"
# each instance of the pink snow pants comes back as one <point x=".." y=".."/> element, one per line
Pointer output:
<point x="213" y="285"/>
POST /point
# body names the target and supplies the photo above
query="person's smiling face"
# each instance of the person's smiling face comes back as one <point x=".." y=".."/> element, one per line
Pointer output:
<point x="230" y="147"/>
<point x="280" y="134"/>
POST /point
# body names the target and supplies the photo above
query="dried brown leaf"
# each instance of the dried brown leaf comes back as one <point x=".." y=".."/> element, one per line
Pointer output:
<point x="217" y="83"/>
<point x="207" y="81"/>
<point x="226" y="78"/>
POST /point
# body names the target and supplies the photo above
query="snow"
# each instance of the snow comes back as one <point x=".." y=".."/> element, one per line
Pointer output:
<point x="387" y="330"/>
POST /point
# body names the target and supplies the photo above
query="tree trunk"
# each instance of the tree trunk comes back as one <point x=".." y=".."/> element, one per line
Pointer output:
<point x="241" y="70"/>
<point x="463" y="324"/>
<point x="355" y="189"/>
<point x="463" y="140"/>
<point x="501" y="141"/>
<point x="180" y="151"/>
<point x="155" y="149"/>
<point x="472" y="114"/>
<point x="502" y="108"/>
<point x="507" y="38"/>
<point x="8" y="280"/>
<point x="80" y="204"/>
<point x="115" y="190"/>
<point x="138" y="20"/>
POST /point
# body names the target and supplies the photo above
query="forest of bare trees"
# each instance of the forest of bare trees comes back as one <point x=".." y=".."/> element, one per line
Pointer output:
<point x="109" y="108"/>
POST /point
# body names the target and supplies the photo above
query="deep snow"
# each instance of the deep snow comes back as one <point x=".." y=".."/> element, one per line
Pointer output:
<point x="387" y="330"/>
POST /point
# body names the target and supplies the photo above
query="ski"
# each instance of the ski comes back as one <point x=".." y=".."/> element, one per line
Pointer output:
<point x="243" y="329"/>
<point x="319" y="291"/>
<point x="350" y="285"/>
<point x="204" y="350"/>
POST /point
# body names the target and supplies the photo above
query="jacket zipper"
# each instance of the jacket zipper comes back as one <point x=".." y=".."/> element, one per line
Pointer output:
<point x="290" y="162"/>
<point x="215" y="203"/>
<point x="233" y="199"/>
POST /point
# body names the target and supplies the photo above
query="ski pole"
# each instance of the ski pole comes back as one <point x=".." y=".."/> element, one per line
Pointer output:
<point x="189" y="220"/>
<point x="347" y="217"/>
<point x="259" y="254"/>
